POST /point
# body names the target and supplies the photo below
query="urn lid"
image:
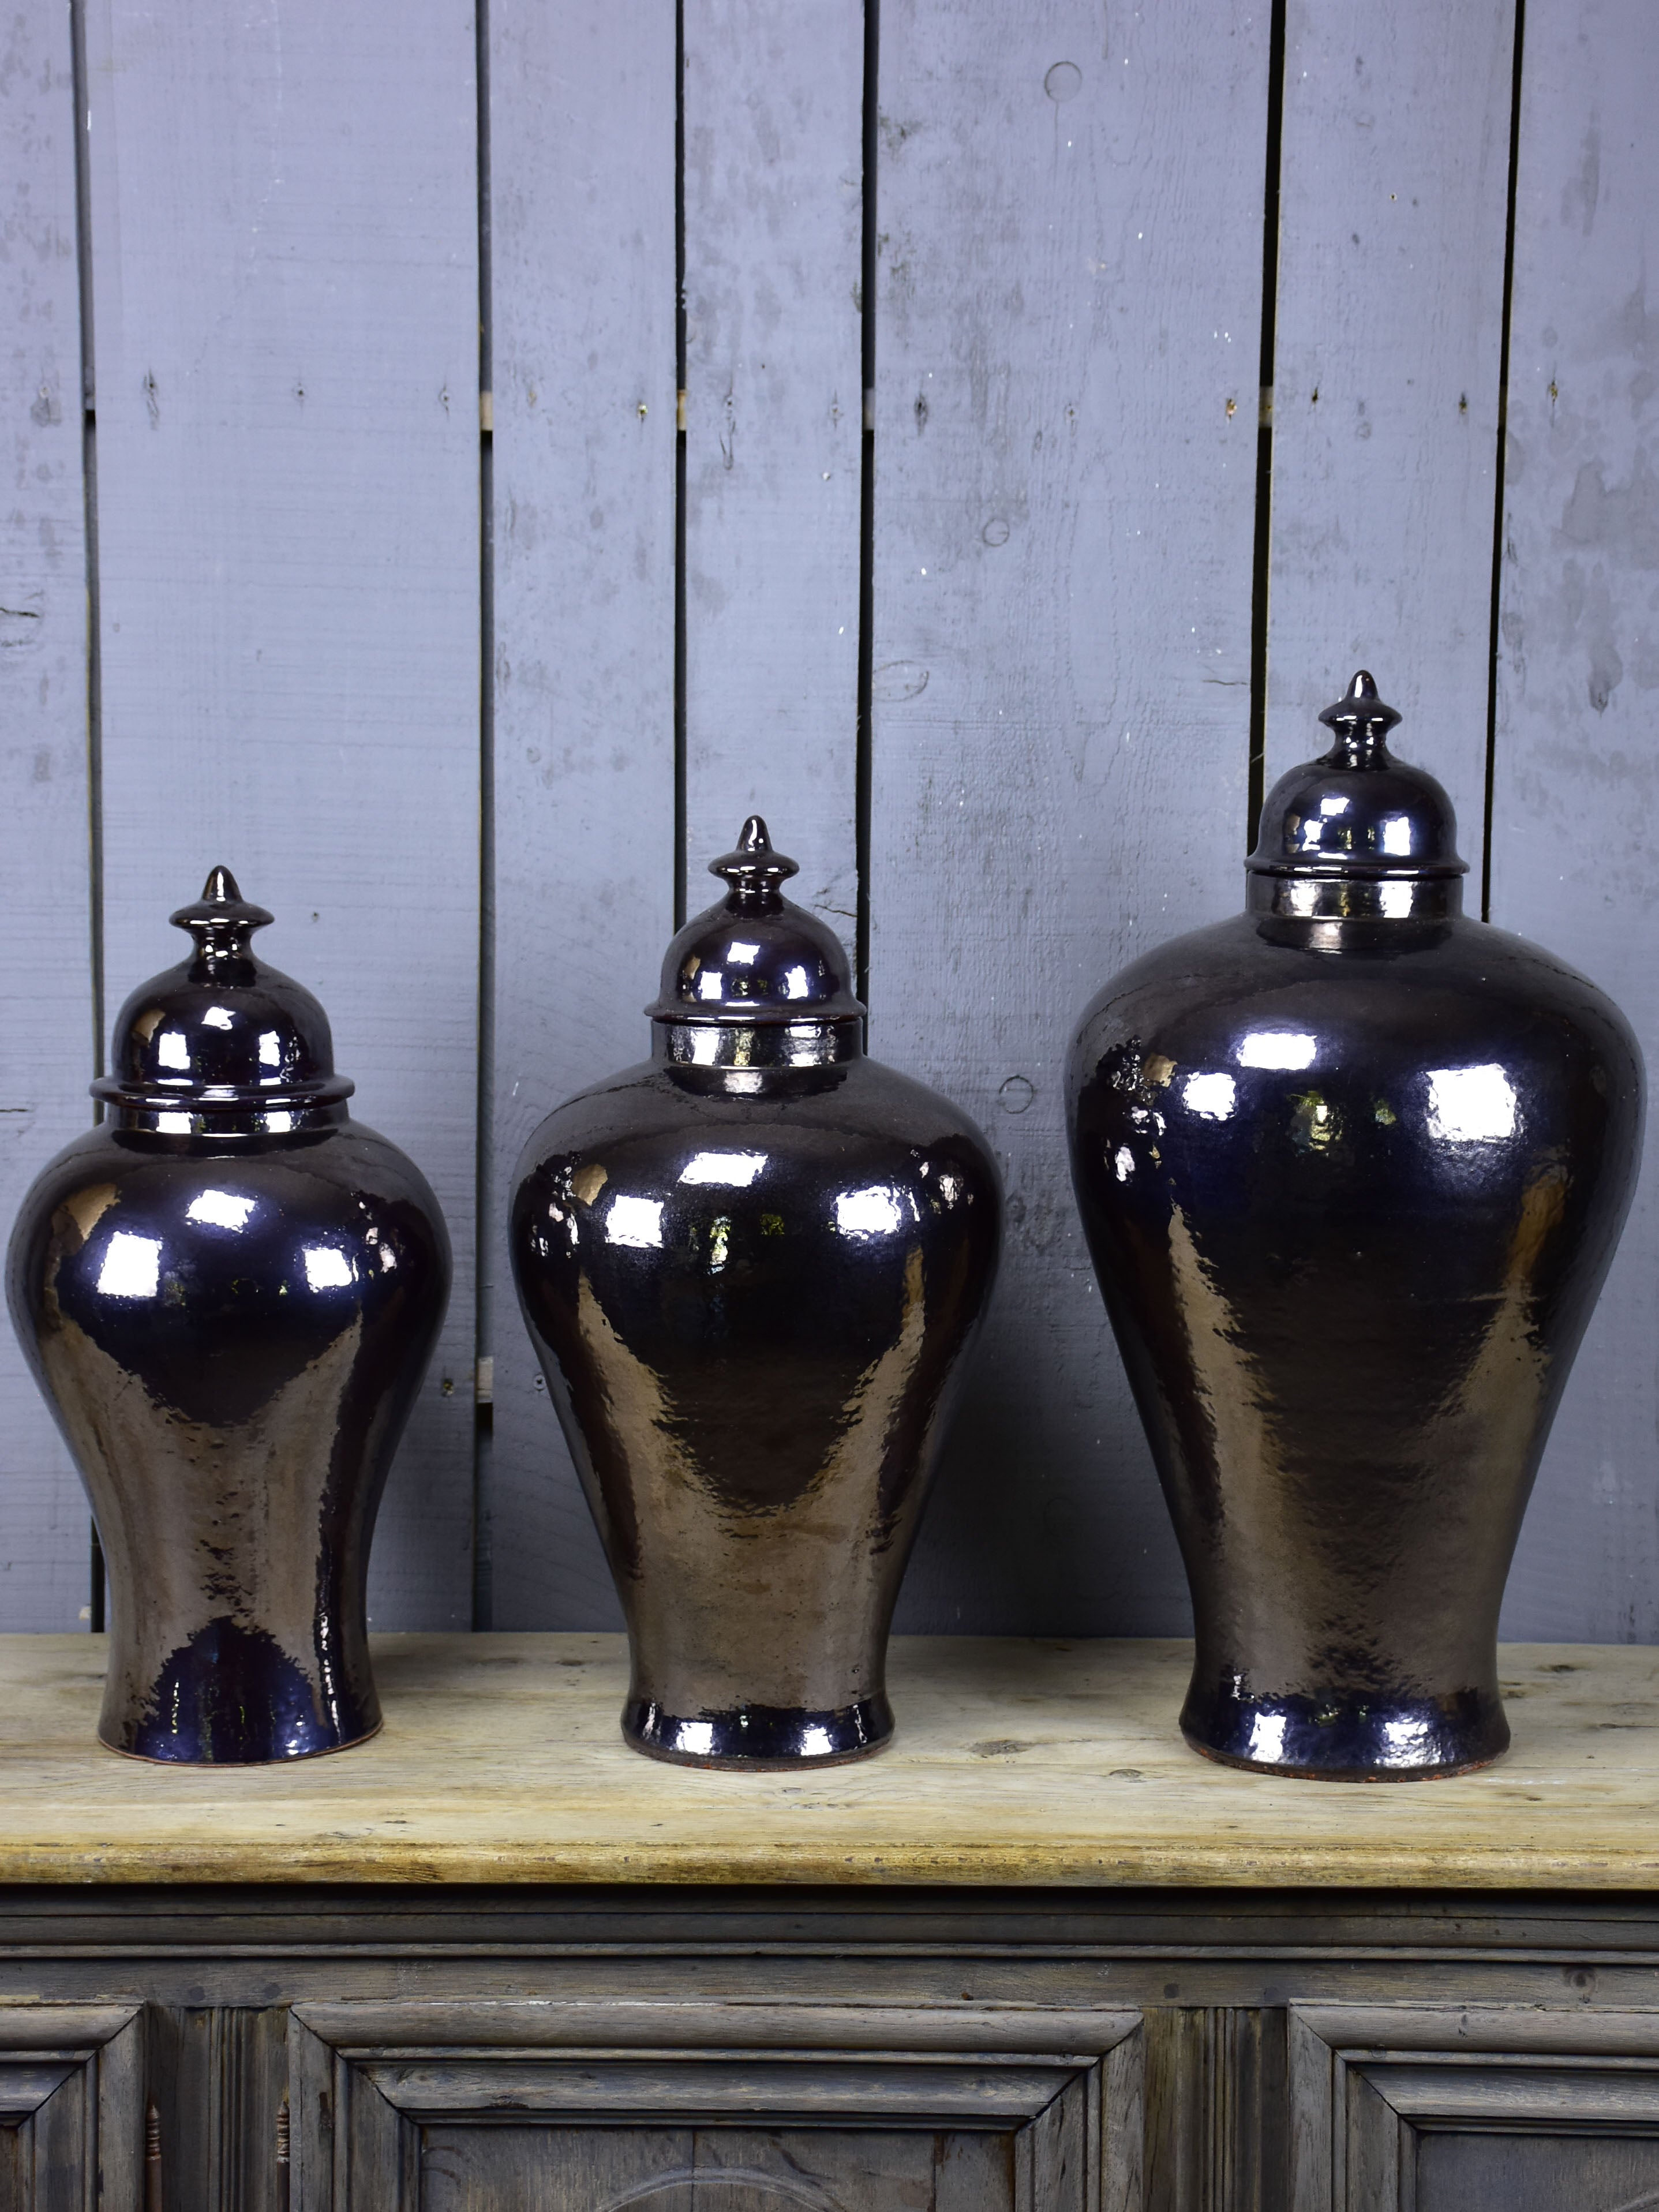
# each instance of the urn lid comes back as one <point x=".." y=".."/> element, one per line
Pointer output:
<point x="1356" y="812"/>
<point x="755" y="958"/>
<point x="221" y="1029"/>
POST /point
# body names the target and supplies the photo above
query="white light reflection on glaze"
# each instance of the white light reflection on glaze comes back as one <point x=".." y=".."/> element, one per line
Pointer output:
<point x="1395" y="900"/>
<point x="1397" y="835"/>
<point x="1472" y="1105"/>
<point x="726" y="1171"/>
<point x="173" y="1050"/>
<point x="1212" y="1097"/>
<point x="873" y="1211"/>
<point x="1266" y="1736"/>
<point x="636" y="1222"/>
<point x="743" y="956"/>
<point x="217" y="1018"/>
<point x="218" y="1209"/>
<point x="327" y="1268"/>
<point x="1284" y="1048"/>
<point x="271" y="1048"/>
<point x="1333" y="804"/>
<point x="131" y="1268"/>
<point x="796" y="984"/>
<point x="1123" y="1160"/>
<point x="696" y="1737"/>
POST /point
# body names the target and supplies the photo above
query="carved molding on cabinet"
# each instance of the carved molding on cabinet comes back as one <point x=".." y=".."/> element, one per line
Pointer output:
<point x="71" y="2106"/>
<point x="1469" y="2108"/>
<point x="598" y="2106"/>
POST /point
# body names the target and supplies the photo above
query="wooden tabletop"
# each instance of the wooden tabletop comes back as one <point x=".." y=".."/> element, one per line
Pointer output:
<point x="501" y="1761"/>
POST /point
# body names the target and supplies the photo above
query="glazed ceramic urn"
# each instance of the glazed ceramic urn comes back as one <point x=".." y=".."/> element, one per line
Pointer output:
<point x="229" y="1293"/>
<point x="752" y="1267"/>
<point x="1353" y="1166"/>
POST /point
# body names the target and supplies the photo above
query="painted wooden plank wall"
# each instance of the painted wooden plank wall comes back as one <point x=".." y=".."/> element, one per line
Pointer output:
<point x="1393" y="207"/>
<point x="1070" y="282"/>
<point x="1068" y="635"/>
<point x="1575" y="795"/>
<point x="285" y="295"/>
<point x="47" y="1027"/>
<point x="582" y="243"/>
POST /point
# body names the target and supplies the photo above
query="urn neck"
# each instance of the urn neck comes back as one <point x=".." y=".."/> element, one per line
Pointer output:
<point x="1355" y="898"/>
<point x="180" y="1117"/>
<point x="756" y="1044"/>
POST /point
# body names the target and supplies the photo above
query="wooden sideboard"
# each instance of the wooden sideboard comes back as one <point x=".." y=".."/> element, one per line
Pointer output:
<point x="1037" y="1957"/>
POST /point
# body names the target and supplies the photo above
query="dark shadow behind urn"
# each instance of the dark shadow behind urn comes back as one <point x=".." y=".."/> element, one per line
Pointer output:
<point x="753" y="1268"/>
<point x="1352" y="1167"/>
<point x="229" y="1293"/>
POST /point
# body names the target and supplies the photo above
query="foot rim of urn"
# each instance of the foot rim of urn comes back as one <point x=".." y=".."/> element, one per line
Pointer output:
<point x="759" y="1739"/>
<point x="1351" y="1738"/>
<point x="254" y="1758"/>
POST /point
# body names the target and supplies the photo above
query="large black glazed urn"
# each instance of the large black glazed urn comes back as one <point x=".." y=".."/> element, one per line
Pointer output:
<point x="1353" y="1166"/>
<point x="229" y="1293"/>
<point x="752" y="1267"/>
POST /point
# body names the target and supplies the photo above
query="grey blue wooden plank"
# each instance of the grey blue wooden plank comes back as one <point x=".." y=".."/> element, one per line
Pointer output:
<point x="284" y="218"/>
<point x="1576" y="793"/>
<point x="1069" y="211"/>
<point x="774" y="196"/>
<point x="583" y="339"/>
<point x="46" y="1024"/>
<point x="1393" y="174"/>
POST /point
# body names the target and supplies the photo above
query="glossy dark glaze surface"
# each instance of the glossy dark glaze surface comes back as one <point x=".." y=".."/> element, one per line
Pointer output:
<point x="752" y="1267"/>
<point x="229" y="1292"/>
<point x="1352" y="1167"/>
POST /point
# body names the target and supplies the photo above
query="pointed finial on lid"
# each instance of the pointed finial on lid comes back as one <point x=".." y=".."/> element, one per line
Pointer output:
<point x="754" y="871"/>
<point x="222" y="920"/>
<point x="1361" y="723"/>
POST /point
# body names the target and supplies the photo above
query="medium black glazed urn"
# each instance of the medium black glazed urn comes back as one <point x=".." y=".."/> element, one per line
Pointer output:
<point x="229" y="1293"/>
<point x="752" y="1267"/>
<point x="1353" y="1166"/>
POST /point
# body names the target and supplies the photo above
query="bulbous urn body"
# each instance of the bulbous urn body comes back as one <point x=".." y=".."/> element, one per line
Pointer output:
<point x="752" y="1267"/>
<point x="229" y="1293"/>
<point x="1353" y="1166"/>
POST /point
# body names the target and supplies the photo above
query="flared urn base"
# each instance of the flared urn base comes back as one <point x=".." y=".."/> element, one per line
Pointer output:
<point x="756" y="1738"/>
<point x="1369" y="1737"/>
<point x="230" y="1696"/>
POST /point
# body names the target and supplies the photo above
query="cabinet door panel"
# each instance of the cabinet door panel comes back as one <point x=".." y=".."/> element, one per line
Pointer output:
<point x="71" y="2107"/>
<point x="1535" y="2173"/>
<point x="596" y="2107"/>
<point x="475" y="2169"/>
<point x="1450" y="2108"/>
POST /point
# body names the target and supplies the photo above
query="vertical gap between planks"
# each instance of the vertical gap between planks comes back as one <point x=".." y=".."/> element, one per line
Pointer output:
<point x="484" y="1330"/>
<point x="1495" y="638"/>
<point x="96" y="1579"/>
<point x="863" y="769"/>
<point x="1262" y="567"/>
<point x="679" y="469"/>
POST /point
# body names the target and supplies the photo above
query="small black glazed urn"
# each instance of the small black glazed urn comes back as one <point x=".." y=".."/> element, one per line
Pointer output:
<point x="752" y="1267"/>
<point x="229" y="1293"/>
<point x="1353" y="1166"/>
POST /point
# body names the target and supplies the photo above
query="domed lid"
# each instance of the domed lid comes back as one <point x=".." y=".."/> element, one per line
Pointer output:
<point x="222" y="1029"/>
<point x="1356" y="811"/>
<point x="755" y="958"/>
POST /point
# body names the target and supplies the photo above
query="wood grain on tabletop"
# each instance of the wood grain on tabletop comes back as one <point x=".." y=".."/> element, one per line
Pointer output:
<point x="583" y="374"/>
<point x="47" y="1026"/>
<point x="1576" y="782"/>
<point x="1069" y="278"/>
<point x="284" y="272"/>
<point x="1394" y="174"/>
<point x="1015" y="1762"/>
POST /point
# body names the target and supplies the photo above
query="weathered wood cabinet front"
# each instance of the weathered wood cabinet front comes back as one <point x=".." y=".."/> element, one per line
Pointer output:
<point x="710" y="2050"/>
<point x="1035" y="1957"/>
